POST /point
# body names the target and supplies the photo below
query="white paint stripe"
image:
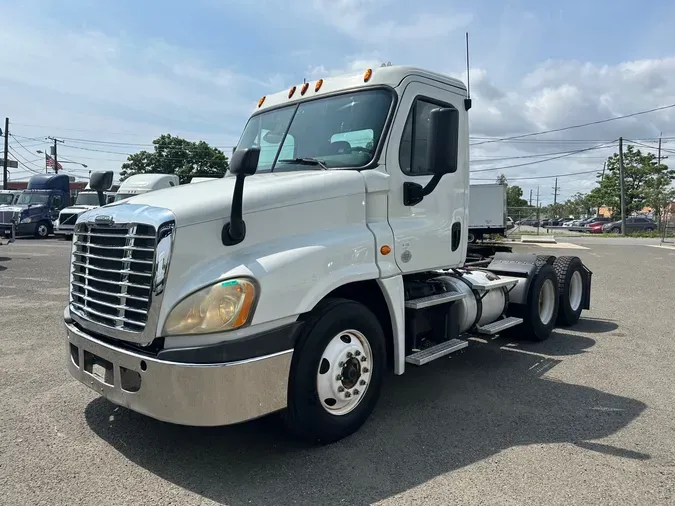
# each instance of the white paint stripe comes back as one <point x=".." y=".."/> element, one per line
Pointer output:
<point x="663" y="246"/>
<point x="563" y="245"/>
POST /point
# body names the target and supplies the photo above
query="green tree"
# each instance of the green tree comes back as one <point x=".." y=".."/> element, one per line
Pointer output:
<point x="578" y="205"/>
<point x="174" y="155"/>
<point x="646" y="182"/>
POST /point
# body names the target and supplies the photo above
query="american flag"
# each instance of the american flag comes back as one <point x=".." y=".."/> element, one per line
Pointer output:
<point x="50" y="162"/>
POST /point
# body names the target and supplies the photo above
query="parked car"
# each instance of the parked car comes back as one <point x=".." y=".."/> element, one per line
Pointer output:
<point x="633" y="224"/>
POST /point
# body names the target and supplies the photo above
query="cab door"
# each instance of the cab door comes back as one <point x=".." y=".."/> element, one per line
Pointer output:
<point x="432" y="233"/>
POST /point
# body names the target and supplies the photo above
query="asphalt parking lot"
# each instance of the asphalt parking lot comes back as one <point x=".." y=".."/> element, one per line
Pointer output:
<point x="586" y="417"/>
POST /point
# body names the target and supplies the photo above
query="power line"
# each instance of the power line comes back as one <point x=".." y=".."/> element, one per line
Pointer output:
<point x="541" y="177"/>
<point x="598" y="122"/>
<point x="599" y="146"/>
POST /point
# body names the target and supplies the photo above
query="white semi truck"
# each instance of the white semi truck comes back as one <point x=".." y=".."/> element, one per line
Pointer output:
<point x="333" y="253"/>
<point x="145" y="183"/>
<point x="86" y="200"/>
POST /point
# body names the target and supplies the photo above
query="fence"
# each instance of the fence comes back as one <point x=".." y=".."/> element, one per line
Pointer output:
<point x="526" y="220"/>
<point x="667" y="228"/>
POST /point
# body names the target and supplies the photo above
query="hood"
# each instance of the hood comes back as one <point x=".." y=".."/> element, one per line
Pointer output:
<point x="197" y="203"/>
<point x="78" y="209"/>
<point x="19" y="208"/>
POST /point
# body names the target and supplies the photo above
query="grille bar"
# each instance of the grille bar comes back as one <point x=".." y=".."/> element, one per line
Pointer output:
<point x="112" y="269"/>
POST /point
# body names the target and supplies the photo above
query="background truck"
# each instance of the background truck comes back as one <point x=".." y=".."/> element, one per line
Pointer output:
<point x="86" y="200"/>
<point x="334" y="253"/>
<point x="487" y="211"/>
<point x="144" y="183"/>
<point x="36" y="208"/>
<point x="7" y="197"/>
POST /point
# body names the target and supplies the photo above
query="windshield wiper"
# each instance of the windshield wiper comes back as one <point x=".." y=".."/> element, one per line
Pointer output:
<point x="305" y="161"/>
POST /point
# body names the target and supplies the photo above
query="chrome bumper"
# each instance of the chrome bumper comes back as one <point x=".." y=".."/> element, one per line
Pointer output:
<point x="186" y="394"/>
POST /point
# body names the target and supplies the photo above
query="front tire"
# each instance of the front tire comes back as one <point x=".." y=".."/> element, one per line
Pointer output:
<point x="42" y="230"/>
<point x="336" y="373"/>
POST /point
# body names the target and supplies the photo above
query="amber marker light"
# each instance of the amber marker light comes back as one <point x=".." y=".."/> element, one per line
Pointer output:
<point x="303" y="90"/>
<point x="385" y="250"/>
<point x="260" y="102"/>
<point x="367" y="75"/>
<point x="318" y="85"/>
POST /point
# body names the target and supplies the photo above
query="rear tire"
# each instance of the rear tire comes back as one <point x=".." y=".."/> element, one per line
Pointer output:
<point x="540" y="312"/>
<point x="326" y="367"/>
<point x="569" y="271"/>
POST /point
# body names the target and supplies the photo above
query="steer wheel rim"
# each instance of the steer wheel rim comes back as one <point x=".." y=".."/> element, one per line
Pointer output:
<point x="546" y="301"/>
<point x="344" y="372"/>
<point x="42" y="230"/>
<point x="576" y="290"/>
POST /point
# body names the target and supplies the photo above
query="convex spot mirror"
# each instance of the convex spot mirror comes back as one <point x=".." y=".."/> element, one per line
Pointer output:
<point x="101" y="181"/>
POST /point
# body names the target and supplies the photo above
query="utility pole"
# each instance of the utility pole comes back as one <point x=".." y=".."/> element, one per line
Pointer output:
<point x="54" y="153"/>
<point x="623" y="195"/>
<point x="658" y="157"/>
<point x="604" y="166"/>
<point x="538" y="211"/>
<point x="6" y="152"/>
<point x="556" y="190"/>
<point x="530" y="197"/>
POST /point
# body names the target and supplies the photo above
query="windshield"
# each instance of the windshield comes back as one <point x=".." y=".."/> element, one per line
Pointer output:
<point x="122" y="196"/>
<point x="86" y="199"/>
<point x="339" y="131"/>
<point x="33" y="198"/>
<point x="6" y="198"/>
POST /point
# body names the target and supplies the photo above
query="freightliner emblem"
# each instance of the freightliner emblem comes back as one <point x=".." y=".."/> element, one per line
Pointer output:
<point x="103" y="220"/>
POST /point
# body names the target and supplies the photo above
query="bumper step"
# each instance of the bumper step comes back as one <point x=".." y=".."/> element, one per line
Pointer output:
<point x="499" y="325"/>
<point x="434" y="300"/>
<point x="440" y="350"/>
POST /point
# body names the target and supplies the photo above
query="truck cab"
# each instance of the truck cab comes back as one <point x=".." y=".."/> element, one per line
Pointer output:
<point x="333" y="253"/>
<point x="36" y="208"/>
<point x="144" y="183"/>
<point x="8" y="197"/>
<point x="86" y="200"/>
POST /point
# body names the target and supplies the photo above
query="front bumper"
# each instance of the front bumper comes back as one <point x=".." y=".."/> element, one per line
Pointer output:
<point x="64" y="229"/>
<point x="184" y="393"/>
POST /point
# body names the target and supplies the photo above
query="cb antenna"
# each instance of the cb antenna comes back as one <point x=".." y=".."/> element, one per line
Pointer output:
<point x="467" y="100"/>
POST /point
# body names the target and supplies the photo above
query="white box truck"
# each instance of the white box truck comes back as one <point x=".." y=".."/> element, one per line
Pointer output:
<point x="333" y="254"/>
<point x="487" y="211"/>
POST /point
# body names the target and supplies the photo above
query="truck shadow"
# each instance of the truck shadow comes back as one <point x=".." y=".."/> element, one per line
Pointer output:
<point x="434" y="419"/>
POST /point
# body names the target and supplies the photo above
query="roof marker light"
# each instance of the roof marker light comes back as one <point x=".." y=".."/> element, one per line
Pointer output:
<point x="367" y="75"/>
<point x="304" y="88"/>
<point x="291" y="91"/>
<point x="260" y="102"/>
<point x="317" y="87"/>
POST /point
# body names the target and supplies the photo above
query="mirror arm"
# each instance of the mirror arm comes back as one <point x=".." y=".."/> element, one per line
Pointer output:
<point x="235" y="230"/>
<point x="413" y="193"/>
<point x="101" y="198"/>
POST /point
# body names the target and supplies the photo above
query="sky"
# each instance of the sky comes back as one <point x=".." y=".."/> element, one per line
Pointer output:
<point x="109" y="77"/>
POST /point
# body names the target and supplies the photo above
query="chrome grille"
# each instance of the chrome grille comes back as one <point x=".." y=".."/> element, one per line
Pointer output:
<point x="7" y="216"/>
<point x="66" y="217"/>
<point x="113" y="273"/>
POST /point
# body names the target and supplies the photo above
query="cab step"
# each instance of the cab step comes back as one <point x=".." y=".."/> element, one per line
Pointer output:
<point x="491" y="285"/>
<point x="434" y="300"/>
<point x="440" y="350"/>
<point x="499" y="325"/>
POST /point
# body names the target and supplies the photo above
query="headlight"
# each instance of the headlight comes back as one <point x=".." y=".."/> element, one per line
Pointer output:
<point x="27" y="219"/>
<point x="226" y="305"/>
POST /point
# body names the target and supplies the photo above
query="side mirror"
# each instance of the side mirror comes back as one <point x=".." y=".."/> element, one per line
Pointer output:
<point x="443" y="141"/>
<point x="244" y="163"/>
<point x="442" y="152"/>
<point x="100" y="182"/>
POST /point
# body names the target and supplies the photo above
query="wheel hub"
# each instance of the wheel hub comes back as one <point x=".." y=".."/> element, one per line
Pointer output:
<point x="344" y="372"/>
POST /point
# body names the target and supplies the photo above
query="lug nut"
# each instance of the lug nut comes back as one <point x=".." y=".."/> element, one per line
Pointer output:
<point x="363" y="359"/>
<point x="356" y="391"/>
<point x="338" y="377"/>
<point x="365" y="369"/>
<point x="362" y="382"/>
<point x="349" y="354"/>
<point x="357" y="353"/>
<point x="348" y="395"/>
<point x="341" y="389"/>
<point x="341" y="364"/>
